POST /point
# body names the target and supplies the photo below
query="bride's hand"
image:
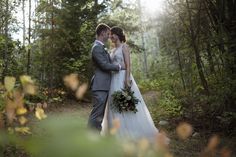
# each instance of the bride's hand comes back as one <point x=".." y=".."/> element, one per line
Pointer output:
<point x="128" y="83"/>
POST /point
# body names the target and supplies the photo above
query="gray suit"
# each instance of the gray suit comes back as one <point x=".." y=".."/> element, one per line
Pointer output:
<point x="100" y="83"/>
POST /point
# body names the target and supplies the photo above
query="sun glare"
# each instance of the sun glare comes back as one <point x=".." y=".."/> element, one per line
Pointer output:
<point x="152" y="6"/>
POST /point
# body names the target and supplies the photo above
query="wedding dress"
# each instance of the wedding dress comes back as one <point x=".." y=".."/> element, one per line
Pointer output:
<point x="133" y="126"/>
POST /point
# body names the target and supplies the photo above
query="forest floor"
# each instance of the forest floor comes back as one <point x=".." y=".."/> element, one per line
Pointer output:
<point x="191" y="147"/>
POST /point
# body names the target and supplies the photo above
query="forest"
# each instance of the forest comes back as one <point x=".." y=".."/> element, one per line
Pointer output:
<point x="183" y="58"/>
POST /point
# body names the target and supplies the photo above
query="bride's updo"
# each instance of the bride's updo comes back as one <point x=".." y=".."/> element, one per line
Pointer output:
<point x="119" y="32"/>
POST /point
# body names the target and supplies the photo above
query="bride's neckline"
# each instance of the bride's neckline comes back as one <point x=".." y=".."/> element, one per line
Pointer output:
<point x="116" y="48"/>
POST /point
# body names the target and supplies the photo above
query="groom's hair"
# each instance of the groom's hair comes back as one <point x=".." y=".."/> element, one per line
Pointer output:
<point x="101" y="27"/>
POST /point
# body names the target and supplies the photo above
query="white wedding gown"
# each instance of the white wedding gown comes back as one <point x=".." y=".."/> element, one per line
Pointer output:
<point x="133" y="126"/>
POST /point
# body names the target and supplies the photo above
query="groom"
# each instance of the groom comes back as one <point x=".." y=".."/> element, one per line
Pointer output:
<point x="100" y="83"/>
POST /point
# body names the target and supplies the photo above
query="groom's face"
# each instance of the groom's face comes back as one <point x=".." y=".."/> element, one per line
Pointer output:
<point x="106" y="35"/>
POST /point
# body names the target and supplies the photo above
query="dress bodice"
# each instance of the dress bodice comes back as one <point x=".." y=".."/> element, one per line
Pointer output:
<point x="117" y="55"/>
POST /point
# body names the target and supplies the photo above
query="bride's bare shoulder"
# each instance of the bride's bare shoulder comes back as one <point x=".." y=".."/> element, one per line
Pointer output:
<point x="126" y="47"/>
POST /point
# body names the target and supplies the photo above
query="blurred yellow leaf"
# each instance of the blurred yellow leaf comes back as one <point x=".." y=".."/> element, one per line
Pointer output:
<point x="129" y="149"/>
<point x="116" y="126"/>
<point x="211" y="149"/>
<point x="213" y="142"/>
<point x="30" y="88"/>
<point x="25" y="79"/>
<point x="116" y="123"/>
<point x="71" y="81"/>
<point x="23" y="130"/>
<point x="184" y="130"/>
<point x="113" y="131"/>
<point x="143" y="144"/>
<point x="22" y="120"/>
<point x="81" y="90"/>
<point x="9" y="82"/>
<point x="39" y="113"/>
<point x="161" y="141"/>
<point x="21" y="110"/>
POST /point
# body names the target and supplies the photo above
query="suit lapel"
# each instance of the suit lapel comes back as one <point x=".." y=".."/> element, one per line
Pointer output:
<point x="104" y="50"/>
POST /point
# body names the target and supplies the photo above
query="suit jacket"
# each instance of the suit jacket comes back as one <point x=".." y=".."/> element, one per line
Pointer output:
<point x="101" y="79"/>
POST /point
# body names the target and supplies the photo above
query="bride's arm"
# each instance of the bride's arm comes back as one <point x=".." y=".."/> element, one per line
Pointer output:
<point x="126" y="54"/>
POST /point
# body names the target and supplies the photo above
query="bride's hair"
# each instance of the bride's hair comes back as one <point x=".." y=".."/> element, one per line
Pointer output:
<point x="119" y="32"/>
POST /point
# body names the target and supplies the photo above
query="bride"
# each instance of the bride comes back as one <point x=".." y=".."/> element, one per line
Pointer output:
<point x="133" y="126"/>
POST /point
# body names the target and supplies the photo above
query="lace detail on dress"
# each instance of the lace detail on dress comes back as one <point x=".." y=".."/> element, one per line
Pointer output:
<point x="117" y="55"/>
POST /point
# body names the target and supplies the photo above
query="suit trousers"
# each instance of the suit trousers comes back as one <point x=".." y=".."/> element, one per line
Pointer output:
<point x="99" y="104"/>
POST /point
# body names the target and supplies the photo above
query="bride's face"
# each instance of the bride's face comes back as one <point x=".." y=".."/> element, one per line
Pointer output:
<point x="114" y="37"/>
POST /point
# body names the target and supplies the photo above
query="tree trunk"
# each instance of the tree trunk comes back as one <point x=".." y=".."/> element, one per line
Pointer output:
<point x="29" y="42"/>
<point x="23" y="12"/>
<point x="193" y="37"/>
<point x="181" y="69"/>
<point x="209" y="57"/>
<point x="6" y="51"/>
<point x="143" y="42"/>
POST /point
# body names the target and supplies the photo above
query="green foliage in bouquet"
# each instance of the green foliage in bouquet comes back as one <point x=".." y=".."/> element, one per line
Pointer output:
<point x="124" y="100"/>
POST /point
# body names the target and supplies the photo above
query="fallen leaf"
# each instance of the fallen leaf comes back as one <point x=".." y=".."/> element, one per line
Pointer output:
<point x="184" y="130"/>
<point x="116" y="126"/>
<point x="21" y="111"/>
<point x="129" y="149"/>
<point x="23" y="130"/>
<point x="71" y="81"/>
<point x="143" y="144"/>
<point x="25" y="79"/>
<point x="39" y="113"/>
<point x="9" y="82"/>
<point x="213" y="142"/>
<point x="161" y="141"/>
<point x="30" y="88"/>
<point x="113" y="131"/>
<point x="81" y="91"/>
<point x="22" y="120"/>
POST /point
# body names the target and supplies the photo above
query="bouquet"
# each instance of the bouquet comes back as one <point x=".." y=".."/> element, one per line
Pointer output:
<point x="124" y="100"/>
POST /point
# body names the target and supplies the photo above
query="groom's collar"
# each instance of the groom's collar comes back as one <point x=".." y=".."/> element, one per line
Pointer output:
<point x="98" y="41"/>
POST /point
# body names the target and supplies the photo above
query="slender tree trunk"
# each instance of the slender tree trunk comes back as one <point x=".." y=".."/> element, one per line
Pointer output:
<point x="193" y="37"/>
<point x="181" y="69"/>
<point x="6" y="51"/>
<point x="52" y="45"/>
<point x="95" y="10"/>
<point x="23" y="12"/>
<point x="231" y="55"/>
<point x="209" y="57"/>
<point x="143" y="42"/>
<point x="29" y="42"/>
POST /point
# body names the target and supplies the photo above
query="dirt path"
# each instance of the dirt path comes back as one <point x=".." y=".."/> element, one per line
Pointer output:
<point x="189" y="148"/>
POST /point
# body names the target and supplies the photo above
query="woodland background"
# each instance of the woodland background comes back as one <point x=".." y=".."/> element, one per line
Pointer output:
<point x="184" y="57"/>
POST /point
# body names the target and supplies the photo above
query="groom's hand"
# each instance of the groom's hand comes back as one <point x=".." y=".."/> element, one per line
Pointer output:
<point x="122" y="66"/>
